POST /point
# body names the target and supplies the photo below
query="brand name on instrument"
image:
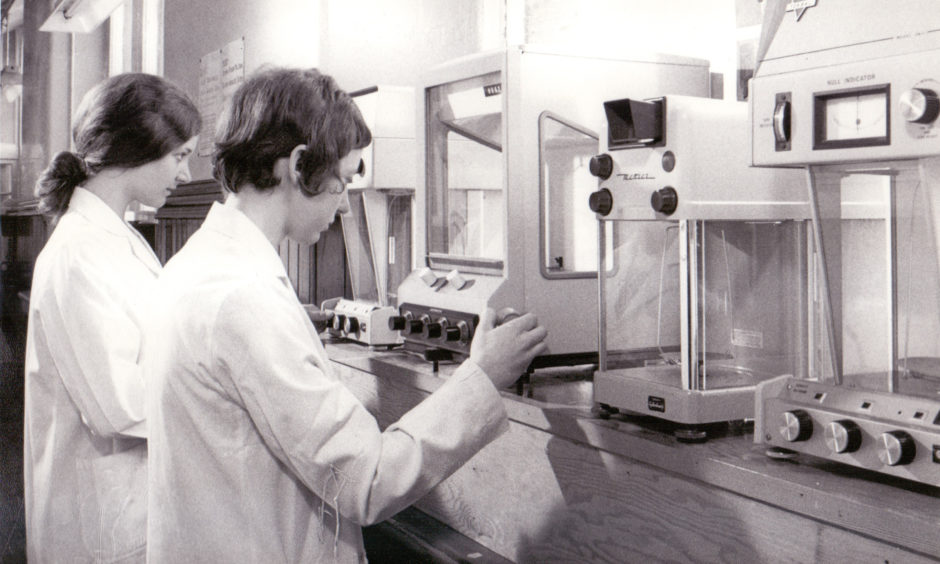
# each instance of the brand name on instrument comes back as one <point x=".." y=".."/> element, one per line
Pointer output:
<point x="851" y="79"/>
<point x="799" y="7"/>
<point x="637" y="176"/>
<point x="654" y="403"/>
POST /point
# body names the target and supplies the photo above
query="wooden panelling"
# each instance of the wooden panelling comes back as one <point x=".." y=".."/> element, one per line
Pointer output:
<point x="183" y="213"/>
<point x="330" y="278"/>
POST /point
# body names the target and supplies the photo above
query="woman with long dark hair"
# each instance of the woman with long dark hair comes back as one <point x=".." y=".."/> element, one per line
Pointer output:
<point x="85" y="426"/>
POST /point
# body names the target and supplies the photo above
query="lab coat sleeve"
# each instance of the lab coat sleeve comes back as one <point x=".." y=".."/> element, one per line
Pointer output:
<point x="323" y="434"/>
<point x="95" y="342"/>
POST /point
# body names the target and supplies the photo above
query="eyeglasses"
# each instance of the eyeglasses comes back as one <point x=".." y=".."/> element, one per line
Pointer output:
<point x="360" y="170"/>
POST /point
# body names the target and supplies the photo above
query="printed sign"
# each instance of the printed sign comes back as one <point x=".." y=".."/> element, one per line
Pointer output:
<point x="220" y="73"/>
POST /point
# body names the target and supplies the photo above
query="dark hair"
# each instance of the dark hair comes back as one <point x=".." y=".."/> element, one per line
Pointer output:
<point x="125" y="121"/>
<point x="277" y="109"/>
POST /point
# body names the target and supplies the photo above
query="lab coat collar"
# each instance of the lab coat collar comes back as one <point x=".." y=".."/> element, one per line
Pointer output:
<point x="232" y="223"/>
<point x="93" y="208"/>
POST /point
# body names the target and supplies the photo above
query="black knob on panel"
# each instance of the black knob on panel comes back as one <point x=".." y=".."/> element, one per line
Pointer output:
<point x="351" y="325"/>
<point x="796" y="425"/>
<point x="843" y="436"/>
<point x="457" y="333"/>
<point x="397" y="322"/>
<point x="665" y="200"/>
<point x="452" y="334"/>
<point x="601" y="201"/>
<point x="415" y="326"/>
<point x="433" y="330"/>
<point x="601" y="166"/>
<point x="338" y="322"/>
<point x="896" y="448"/>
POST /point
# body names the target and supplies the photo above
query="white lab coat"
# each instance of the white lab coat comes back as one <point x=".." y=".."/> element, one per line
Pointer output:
<point x="254" y="443"/>
<point x="85" y="451"/>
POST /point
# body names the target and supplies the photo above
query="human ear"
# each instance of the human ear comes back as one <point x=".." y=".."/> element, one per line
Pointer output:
<point x="294" y="164"/>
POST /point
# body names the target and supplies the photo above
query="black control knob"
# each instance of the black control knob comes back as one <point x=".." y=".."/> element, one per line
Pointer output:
<point x="339" y="321"/>
<point x="843" y="436"/>
<point x="601" y="166"/>
<point x="415" y="326"/>
<point x="601" y="201"/>
<point x="433" y="330"/>
<point x="397" y="322"/>
<point x="919" y="105"/>
<point x="796" y="425"/>
<point x="665" y="200"/>
<point x="452" y="334"/>
<point x="351" y="325"/>
<point x="457" y="333"/>
<point x="896" y="448"/>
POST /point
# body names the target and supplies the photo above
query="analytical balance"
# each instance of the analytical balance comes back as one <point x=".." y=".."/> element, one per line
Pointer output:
<point x="856" y="105"/>
<point x="703" y="259"/>
<point x="504" y="146"/>
<point x="378" y="227"/>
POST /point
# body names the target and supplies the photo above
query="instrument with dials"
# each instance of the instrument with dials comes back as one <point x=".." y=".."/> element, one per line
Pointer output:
<point x="505" y="140"/>
<point x="857" y="107"/>
<point x="703" y="257"/>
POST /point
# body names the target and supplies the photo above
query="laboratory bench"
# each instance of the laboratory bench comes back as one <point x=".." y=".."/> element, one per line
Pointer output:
<point x="564" y="485"/>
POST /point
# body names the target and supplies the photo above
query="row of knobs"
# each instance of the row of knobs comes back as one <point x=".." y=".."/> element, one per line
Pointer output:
<point x="440" y="329"/>
<point x="895" y="448"/>
<point x="345" y="323"/>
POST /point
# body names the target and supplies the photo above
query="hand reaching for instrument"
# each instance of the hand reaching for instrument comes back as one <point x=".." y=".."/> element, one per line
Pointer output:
<point x="505" y="351"/>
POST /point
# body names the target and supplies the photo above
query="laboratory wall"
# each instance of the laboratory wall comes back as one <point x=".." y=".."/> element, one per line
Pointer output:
<point x="359" y="42"/>
<point x="367" y="42"/>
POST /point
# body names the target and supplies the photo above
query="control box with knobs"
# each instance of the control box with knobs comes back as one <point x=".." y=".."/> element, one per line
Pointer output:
<point x="685" y="158"/>
<point x="428" y="328"/>
<point x="890" y="433"/>
<point x="856" y="107"/>
<point x="884" y="107"/>
<point x="362" y="321"/>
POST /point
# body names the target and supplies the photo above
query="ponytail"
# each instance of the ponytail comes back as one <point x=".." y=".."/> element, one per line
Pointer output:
<point x="57" y="182"/>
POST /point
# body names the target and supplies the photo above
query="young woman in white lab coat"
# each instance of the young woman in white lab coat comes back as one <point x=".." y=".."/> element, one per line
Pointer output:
<point x="85" y="428"/>
<point x="258" y="453"/>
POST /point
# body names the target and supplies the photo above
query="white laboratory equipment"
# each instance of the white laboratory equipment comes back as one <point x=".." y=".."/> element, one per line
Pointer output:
<point x="501" y="214"/>
<point x="703" y="259"/>
<point x="855" y="107"/>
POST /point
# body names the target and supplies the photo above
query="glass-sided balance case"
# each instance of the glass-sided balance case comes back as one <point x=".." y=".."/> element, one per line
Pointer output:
<point x="502" y="192"/>
<point x="705" y="290"/>
<point x="857" y="110"/>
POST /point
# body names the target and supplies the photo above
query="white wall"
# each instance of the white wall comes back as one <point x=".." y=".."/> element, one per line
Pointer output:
<point x="283" y="32"/>
<point x="705" y="29"/>
<point x="367" y="42"/>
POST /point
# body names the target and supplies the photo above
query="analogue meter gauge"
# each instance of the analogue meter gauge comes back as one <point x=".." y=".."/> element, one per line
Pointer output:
<point x="858" y="116"/>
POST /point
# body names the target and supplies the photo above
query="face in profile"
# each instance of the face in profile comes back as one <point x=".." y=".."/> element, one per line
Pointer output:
<point x="151" y="183"/>
<point x="311" y="215"/>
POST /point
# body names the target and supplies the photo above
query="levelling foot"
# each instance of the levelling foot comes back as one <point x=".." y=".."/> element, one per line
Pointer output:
<point x="690" y="435"/>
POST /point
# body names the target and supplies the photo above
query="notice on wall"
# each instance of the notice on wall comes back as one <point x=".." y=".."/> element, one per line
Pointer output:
<point x="220" y="73"/>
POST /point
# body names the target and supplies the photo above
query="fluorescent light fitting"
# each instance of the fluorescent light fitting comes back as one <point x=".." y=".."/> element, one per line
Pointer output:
<point x="79" y="16"/>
